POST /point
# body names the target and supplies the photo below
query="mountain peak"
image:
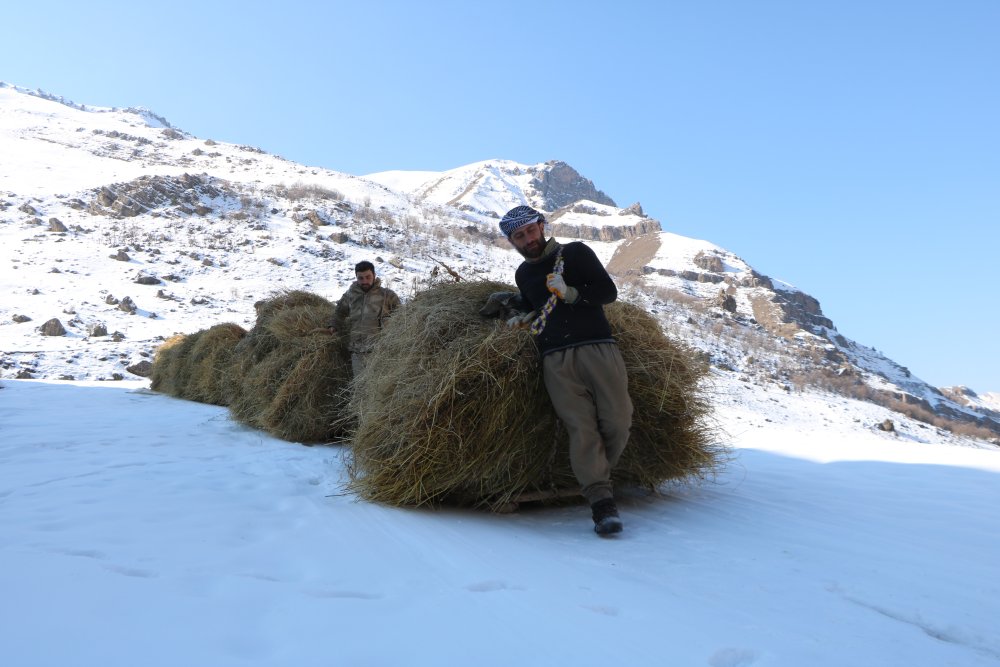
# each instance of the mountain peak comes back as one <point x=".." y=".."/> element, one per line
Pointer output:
<point x="491" y="187"/>
<point x="556" y="184"/>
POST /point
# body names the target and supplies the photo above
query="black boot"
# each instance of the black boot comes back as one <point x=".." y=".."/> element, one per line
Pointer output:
<point x="606" y="519"/>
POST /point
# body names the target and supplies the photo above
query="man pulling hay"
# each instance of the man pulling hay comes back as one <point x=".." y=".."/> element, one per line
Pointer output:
<point x="566" y="287"/>
<point x="364" y="307"/>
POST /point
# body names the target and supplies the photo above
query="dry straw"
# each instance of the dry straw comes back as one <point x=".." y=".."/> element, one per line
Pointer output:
<point x="287" y="375"/>
<point x="191" y="366"/>
<point x="452" y="408"/>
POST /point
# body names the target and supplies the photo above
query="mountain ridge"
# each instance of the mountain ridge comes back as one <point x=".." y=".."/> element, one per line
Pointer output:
<point x="166" y="199"/>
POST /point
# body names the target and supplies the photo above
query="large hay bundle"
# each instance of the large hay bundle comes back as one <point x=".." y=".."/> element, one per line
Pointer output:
<point x="452" y="407"/>
<point x="192" y="366"/>
<point x="166" y="374"/>
<point x="287" y="376"/>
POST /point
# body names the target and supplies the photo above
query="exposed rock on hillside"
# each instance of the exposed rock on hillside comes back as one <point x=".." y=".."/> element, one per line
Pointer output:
<point x="559" y="184"/>
<point x="147" y="193"/>
<point x="694" y="276"/>
<point x="631" y="256"/>
<point x="786" y="313"/>
<point x="709" y="262"/>
<point x="142" y="369"/>
<point x="53" y="328"/>
<point x="605" y="232"/>
<point x="592" y="230"/>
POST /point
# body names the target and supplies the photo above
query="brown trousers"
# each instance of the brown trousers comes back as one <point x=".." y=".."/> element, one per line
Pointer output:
<point x="589" y="391"/>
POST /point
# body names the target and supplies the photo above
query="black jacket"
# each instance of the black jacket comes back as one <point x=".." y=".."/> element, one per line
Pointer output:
<point x="570" y="324"/>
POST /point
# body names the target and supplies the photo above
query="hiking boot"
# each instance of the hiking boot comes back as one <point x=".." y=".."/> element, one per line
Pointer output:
<point x="606" y="519"/>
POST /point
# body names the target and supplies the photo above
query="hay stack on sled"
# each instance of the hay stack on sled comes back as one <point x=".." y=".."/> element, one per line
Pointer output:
<point x="287" y="378"/>
<point x="452" y="407"/>
<point x="191" y="366"/>
<point x="284" y="375"/>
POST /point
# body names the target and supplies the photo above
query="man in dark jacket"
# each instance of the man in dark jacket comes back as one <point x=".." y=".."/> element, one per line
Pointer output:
<point x="567" y="288"/>
<point x="363" y="308"/>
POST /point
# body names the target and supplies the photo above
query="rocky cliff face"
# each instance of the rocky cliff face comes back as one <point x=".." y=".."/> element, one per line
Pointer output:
<point x="622" y="224"/>
<point x="786" y="313"/>
<point x="558" y="185"/>
<point x="605" y="232"/>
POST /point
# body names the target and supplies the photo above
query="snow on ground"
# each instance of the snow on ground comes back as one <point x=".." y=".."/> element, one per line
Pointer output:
<point x="604" y="250"/>
<point x="678" y="252"/>
<point x="141" y="529"/>
<point x="591" y="214"/>
<point x="403" y="181"/>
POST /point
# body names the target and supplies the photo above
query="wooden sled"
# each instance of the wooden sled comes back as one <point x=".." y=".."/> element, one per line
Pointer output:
<point x="514" y="504"/>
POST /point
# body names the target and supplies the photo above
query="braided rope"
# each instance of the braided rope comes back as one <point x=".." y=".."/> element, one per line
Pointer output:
<point x="543" y="317"/>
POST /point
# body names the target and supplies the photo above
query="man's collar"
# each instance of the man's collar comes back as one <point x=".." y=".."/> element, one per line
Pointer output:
<point x="550" y="248"/>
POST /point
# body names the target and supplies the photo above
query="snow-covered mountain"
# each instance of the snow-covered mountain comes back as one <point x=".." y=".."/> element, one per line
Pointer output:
<point x="497" y="185"/>
<point x="127" y="230"/>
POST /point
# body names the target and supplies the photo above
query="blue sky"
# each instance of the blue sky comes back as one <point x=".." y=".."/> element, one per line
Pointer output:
<point x="849" y="148"/>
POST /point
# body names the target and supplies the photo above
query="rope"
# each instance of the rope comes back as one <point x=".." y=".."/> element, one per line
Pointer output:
<point x="543" y="317"/>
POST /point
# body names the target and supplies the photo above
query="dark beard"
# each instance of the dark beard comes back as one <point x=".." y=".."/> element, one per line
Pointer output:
<point x="534" y="251"/>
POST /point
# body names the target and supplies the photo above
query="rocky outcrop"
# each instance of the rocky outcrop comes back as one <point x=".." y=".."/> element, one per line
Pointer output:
<point x="53" y="328"/>
<point x="709" y="262"/>
<point x="959" y="394"/>
<point x="557" y="184"/>
<point x="604" y="232"/>
<point x="785" y="313"/>
<point x="725" y="301"/>
<point x="595" y="231"/>
<point x="634" y="209"/>
<point x="142" y="278"/>
<point x="146" y="193"/>
<point x="694" y="276"/>
<point x="143" y="369"/>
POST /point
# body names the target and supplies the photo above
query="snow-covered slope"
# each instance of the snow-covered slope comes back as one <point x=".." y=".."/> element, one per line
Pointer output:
<point x="100" y="204"/>
<point x="93" y="200"/>
<point x="141" y="529"/>
<point x="486" y="188"/>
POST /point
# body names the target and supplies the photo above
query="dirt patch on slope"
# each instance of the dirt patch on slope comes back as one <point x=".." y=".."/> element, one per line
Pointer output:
<point x="634" y="254"/>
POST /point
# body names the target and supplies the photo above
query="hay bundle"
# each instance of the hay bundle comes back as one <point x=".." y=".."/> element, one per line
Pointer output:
<point x="167" y="375"/>
<point x="191" y="366"/>
<point x="452" y="407"/>
<point x="287" y="376"/>
<point x="671" y="438"/>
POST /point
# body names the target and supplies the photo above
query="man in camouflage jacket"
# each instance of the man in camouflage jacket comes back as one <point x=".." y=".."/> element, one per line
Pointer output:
<point x="363" y="308"/>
